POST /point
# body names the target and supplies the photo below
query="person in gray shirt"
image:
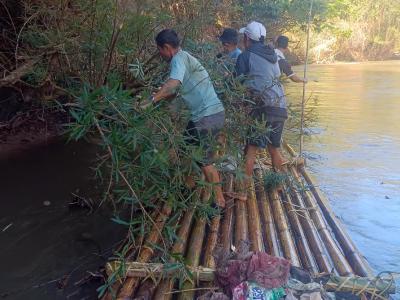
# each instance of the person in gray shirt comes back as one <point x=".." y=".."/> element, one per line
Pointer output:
<point x="258" y="65"/>
<point x="207" y="114"/>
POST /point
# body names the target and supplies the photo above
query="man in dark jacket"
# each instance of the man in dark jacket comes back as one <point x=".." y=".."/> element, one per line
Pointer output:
<point x="282" y="43"/>
<point x="259" y="66"/>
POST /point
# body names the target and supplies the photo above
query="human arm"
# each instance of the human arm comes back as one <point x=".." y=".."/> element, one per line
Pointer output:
<point x="167" y="91"/>
<point x="286" y="68"/>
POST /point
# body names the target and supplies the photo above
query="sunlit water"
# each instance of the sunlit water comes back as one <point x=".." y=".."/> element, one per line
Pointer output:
<point x="355" y="152"/>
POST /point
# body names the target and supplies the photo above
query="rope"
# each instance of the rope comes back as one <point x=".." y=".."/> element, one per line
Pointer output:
<point x="303" y="101"/>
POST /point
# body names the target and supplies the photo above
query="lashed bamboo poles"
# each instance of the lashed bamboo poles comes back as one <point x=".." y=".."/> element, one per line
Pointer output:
<point x="288" y="247"/>
<point x="146" y="253"/>
<point x="358" y="263"/>
<point x="312" y="235"/>
<point x="255" y="232"/>
<point x="356" y="260"/>
<point x="271" y="242"/>
<point x="227" y="221"/>
<point x="305" y="252"/>
<point x="241" y="226"/>
<point x="194" y="250"/>
<point x="179" y="246"/>
<point x="339" y="260"/>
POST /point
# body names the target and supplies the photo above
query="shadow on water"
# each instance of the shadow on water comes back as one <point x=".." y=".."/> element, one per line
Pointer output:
<point x="44" y="243"/>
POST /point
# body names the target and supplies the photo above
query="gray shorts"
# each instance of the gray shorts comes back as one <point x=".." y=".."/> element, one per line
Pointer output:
<point x="204" y="133"/>
<point x="272" y="135"/>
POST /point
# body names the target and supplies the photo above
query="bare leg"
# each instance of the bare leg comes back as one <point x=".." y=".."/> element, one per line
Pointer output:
<point x="250" y="156"/>
<point x="212" y="176"/>
<point x="276" y="158"/>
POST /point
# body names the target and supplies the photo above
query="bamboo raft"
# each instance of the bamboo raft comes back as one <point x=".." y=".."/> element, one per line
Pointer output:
<point x="297" y="224"/>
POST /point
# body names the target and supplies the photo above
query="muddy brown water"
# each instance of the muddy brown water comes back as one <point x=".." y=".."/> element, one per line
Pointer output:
<point x="41" y="238"/>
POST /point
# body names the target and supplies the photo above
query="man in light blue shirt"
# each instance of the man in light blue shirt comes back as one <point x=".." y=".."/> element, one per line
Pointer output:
<point x="207" y="114"/>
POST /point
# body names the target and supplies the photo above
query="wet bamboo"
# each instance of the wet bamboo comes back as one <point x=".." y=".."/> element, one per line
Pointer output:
<point x="146" y="252"/>
<point x="339" y="260"/>
<point x="305" y="252"/>
<point x="269" y="231"/>
<point x="288" y="246"/>
<point x="357" y="261"/>
<point x="194" y="250"/>
<point x="227" y="221"/>
<point x="255" y="232"/>
<point x="166" y="285"/>
<point x="311" y="233"/>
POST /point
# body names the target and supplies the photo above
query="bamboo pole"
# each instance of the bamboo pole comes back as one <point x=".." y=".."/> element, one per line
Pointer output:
<point x="241" y="226"/>
<point x="227" y="221"/>
<point x="303" y="100"/>
<point x="208" y="260"/>
<point x="255" y="232"/>
<point x="339" y="260"/>
<point x="288" y="246"/>
<point x="357" y="261"/>
<point x="166" y="285"/>
<point x="311" y="233"/>
<point x="194" y="250"/>
<point x="157" y="271"/>
<point x="305" y="252"/>
<point x="270" y="236"/>
<point x="146" y="252"/>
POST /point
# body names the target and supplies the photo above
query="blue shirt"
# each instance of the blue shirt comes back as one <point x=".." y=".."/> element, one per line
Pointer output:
<point x="197" y="89"/>
<point x="235" y="53"/>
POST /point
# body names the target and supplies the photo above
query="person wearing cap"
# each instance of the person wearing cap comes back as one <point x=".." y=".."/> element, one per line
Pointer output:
<point x="230" y="40"/>
<point x="258" y="65"/>
<point x="282" y="43"/>
<point x="197" y="91"/>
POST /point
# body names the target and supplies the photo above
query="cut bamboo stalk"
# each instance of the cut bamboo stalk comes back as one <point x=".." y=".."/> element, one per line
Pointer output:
<point x="157" y="271"/>
<point x="211" y="242"/>
<point x="339" y="260"/>
<point x="255" y="232"/>
<point x="166" y="285"/>
<point x="227" y="221"/>
<point x="288" y="246"/>
<point x="357" y="261"/>
<point x="146" y="252"/>
<point x="313" y="238"/>
<point x="305" y="252"/>
<point x="241" y="226"/>
<point x="194" y="250"/>
<point x="270" y="236"/>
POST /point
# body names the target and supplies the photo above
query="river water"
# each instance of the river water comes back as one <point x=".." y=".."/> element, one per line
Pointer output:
<point x="47" y="246"/>
<point x="354" y="152"/>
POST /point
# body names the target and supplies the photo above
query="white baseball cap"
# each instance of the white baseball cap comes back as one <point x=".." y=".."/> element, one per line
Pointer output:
<point x="254" y="31"/>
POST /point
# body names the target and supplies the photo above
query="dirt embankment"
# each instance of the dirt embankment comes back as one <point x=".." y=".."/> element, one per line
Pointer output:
<point x="24" y="125"/>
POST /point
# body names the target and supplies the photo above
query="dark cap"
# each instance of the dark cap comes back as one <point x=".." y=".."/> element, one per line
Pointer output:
<point x="229" y="35"/>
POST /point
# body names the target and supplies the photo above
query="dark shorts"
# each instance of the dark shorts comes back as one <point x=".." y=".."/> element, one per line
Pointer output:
<point x="204" y="134"/>
<point x="270" y="135"/>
